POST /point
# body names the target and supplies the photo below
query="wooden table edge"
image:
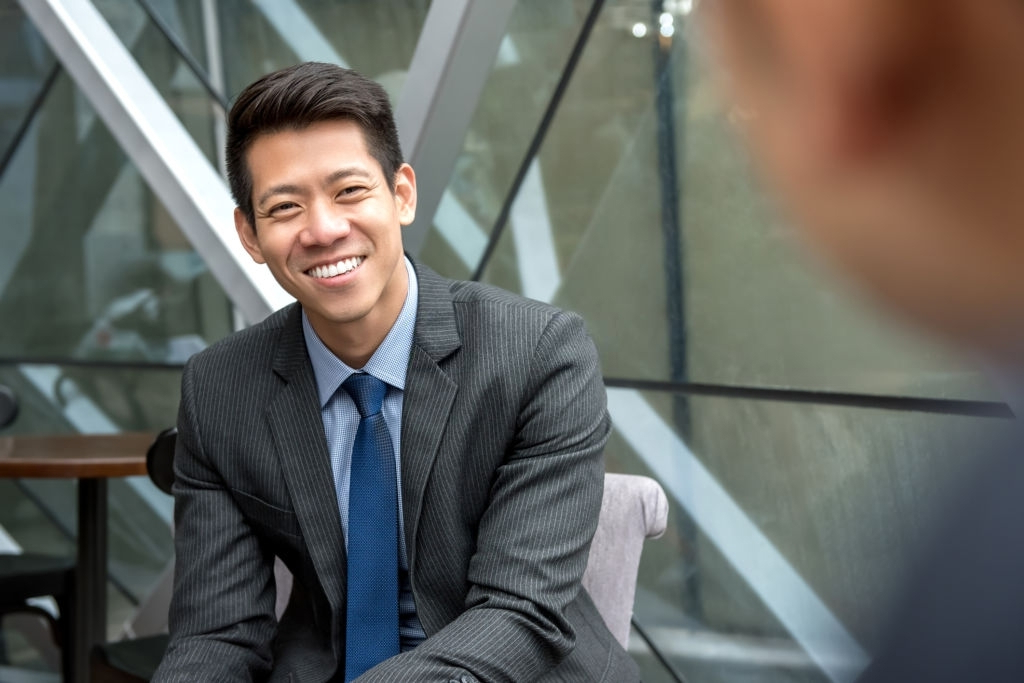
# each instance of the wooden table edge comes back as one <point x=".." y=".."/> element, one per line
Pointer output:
<point x="75" y="456"/>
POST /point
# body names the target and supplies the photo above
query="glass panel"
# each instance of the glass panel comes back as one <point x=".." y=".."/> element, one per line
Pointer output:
<point x="375" y="38"/>
<point x="840" y="495"/>
<point x="529" y="64"/>
<point x="70" y="399"/>
<point x="168" y="73"/>
<point x="235" y="41"/>
<point x="25" y="62"/>
<point x="677" y="262"/>
<point x="93" y="267"/>
<point x="252" y="37"/>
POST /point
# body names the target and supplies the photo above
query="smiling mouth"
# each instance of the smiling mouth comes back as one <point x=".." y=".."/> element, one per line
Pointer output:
<point x="334" y="269"/>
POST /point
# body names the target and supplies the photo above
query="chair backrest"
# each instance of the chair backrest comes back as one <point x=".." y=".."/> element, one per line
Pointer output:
<point x="160" y="459"/>
<point x="633" y="509"/>
<point x="8" y="405"/>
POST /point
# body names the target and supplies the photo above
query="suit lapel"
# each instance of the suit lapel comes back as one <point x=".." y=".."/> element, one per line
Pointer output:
<point x="295" y="421"/>
<point x="429" y="394"/>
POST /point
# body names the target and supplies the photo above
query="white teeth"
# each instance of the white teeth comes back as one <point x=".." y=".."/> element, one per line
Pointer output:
<point x="339" y="268"/>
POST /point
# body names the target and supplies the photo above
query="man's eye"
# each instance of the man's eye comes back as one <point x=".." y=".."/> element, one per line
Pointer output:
<point x="349" y="191"/>
<point x="281" y="208"/>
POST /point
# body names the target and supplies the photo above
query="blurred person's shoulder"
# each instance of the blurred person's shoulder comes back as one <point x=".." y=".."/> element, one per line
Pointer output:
<point x="961" y="615"/>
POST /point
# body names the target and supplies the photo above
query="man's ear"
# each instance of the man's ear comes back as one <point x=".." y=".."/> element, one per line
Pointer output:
<point x="405" y="194"/>
<point x="247" y="235"/>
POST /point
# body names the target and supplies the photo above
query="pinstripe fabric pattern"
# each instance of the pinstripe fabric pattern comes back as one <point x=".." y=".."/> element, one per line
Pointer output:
<point x="341" y="419"/>
<point x="503" y="424"/>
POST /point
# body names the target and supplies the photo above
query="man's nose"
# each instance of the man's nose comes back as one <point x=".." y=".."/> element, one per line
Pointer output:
<point x="326" y="225"/>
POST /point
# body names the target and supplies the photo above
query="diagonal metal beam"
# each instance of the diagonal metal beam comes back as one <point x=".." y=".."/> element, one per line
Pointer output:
<point x="159" y="146"/>
<point x="453" y="58"/>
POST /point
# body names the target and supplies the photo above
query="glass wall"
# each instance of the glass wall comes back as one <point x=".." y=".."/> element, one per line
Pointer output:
<point x="93" y="268"/>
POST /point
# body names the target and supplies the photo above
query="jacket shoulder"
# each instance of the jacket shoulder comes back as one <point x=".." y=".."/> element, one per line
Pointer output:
<point x="483" y="299"/>
<point x="501" y="329"/>
<point x="247" y="348"/>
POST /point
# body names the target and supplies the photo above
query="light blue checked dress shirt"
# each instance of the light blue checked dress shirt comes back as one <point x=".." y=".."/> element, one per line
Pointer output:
<point x="341" y="420"/>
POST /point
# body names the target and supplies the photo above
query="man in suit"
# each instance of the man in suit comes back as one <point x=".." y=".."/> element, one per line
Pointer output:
<point x="424" y="455"/>
<point x="892" y="131"/>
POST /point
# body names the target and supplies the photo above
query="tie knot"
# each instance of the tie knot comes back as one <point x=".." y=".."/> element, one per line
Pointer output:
<point x="367" y="391"/>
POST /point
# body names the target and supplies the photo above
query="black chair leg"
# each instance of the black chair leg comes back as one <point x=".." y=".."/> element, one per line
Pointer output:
<point x="66" y="631"/>
<point x="5" y="658"/>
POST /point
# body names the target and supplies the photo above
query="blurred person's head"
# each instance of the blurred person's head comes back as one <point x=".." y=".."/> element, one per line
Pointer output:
<point x="893" y="134"/>
<point x="298" y="96"/>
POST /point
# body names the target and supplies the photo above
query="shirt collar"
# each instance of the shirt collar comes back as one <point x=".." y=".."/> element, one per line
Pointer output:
<point x="388" y="363"/>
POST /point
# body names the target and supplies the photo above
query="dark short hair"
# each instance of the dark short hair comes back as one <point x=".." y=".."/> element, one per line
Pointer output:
<point x="297" y="97"/>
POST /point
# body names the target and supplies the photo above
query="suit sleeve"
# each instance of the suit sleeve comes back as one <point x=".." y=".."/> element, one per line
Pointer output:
<point x="535" y="535"/>
<point x="222" y="610"/>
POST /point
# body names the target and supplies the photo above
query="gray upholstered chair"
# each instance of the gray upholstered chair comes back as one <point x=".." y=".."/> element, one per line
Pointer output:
<point x="633" y="509"/>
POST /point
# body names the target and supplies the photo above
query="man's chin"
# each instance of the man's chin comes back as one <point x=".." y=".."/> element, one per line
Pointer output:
<point x="341" y="317"/>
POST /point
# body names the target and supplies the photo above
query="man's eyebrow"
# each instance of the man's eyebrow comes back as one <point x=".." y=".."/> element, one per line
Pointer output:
<point x="347" y="172"/>
<point x="340" y="174"/>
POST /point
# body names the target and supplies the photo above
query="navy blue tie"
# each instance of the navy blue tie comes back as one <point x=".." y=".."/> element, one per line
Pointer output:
<point x="371" y="625"/>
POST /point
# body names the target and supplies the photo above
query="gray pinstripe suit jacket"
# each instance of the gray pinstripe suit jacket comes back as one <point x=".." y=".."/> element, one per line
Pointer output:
<point x="503" y="425"/>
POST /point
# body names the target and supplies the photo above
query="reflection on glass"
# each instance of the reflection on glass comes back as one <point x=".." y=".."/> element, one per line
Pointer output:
<point x="642" y="216"/>
<point x="70" y="399"/>
<point x="838" y="495"/>
<point x="25" y="62"/>
<point x="93" y="267"/>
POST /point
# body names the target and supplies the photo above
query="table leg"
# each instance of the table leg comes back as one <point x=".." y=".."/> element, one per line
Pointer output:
<point x="90" y="613"/>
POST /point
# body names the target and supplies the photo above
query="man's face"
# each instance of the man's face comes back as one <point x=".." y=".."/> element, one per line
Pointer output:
<point x="327" y="224"/>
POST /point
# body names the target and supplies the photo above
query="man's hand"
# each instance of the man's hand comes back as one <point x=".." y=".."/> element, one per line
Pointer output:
<point x="893" y="132"/>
